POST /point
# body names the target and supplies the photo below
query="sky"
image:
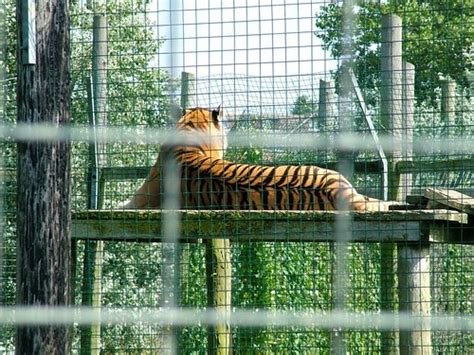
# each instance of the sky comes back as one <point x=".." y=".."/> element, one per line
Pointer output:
<point x="249" y="37"/>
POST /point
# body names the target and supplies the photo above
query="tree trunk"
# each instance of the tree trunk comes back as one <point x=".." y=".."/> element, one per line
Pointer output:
<point x="43" y="172"/>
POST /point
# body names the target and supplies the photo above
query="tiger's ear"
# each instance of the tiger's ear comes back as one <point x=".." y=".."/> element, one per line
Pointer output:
<point x="217" y="114"/>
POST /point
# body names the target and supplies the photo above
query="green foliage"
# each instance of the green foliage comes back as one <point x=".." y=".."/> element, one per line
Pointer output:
<point x="252" y="153"/>
<point x="136" y="89"/>
<point x="437" y="37"/>
<point x="303" y="106"/>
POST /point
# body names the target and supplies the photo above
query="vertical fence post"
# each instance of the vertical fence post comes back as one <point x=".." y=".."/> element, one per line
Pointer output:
<point x="327" y="100"/>
<point x="414" y="295"/>
<point x="218" y="260"/>
<point x="326" y="124"/>
<point x="219" y="278"/>
<point x="93" y="252"/>
<point x="414" y="282"/>
<point x="408" y="77"/>
<point x="391" y="118"/>
<point x="448" y="105"/>
<point x="187" y="90"/>
<point x="448" y="115"/>
<point x="187" y="93"/>
<point x="413" y="259"/>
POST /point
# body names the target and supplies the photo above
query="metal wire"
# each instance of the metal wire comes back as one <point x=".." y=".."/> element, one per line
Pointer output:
<point x="238" y="317"/>
<point x="265" y="139"/>
<point x="263" y="62"/>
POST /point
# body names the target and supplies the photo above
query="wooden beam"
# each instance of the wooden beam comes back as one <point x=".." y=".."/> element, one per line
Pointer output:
<point x="451" y="198"/>
<point x="279" y="226"/>
<point x="266" y="215"/>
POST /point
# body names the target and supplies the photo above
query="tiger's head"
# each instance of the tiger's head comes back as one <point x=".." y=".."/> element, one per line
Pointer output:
<point x="207" y="126"/>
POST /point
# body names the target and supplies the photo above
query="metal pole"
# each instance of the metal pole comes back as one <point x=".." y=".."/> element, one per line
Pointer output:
<point x="373" y="132"/>
<point x="93" y="253"/>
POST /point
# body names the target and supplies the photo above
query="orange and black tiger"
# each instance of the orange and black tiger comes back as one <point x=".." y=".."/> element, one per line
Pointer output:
<point x="210" y="182"/>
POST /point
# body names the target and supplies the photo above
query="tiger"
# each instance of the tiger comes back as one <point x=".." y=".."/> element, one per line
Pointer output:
<point x="208" y="181"/>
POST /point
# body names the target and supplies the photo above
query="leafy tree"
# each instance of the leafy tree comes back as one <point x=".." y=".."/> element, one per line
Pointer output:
<point x="437" y="37"/>
<point x="303" y="106"/>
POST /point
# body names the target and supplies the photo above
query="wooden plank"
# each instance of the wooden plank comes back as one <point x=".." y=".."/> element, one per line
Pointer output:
<point x="244" y="231"/>
<point x="260" y="215"/>
<point x="451" y="198"/>
<point x="241" y="226"/>
<point x="265" y="215"/>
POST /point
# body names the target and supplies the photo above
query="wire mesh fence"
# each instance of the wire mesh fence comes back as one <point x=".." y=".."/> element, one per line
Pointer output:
<point x="174" y="249"/>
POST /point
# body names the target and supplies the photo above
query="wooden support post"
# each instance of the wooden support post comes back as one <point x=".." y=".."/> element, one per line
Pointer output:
<point x="219" y="288"/>
<point x="448" y="105"/>
<point x="326" y="111"/>
<point x="93" y="253"/>
<point x="218" y="259"/>
<point x="345" y="157"/>
<point x="414" y="295"/>
<point x="187" y="90"/>
<point x="448" y="115"/>
<point x="187" y="101"/>
<point x="43" y="171"/>
<point x="405" y="181"/>
<point x="391" y="93"/>
<point x="411" y="258"/>
<point x="187" y="93"/>
<point x="391" y="119"/>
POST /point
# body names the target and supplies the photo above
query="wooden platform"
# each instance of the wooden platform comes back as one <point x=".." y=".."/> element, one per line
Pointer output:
<point x="439" y="225"/>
